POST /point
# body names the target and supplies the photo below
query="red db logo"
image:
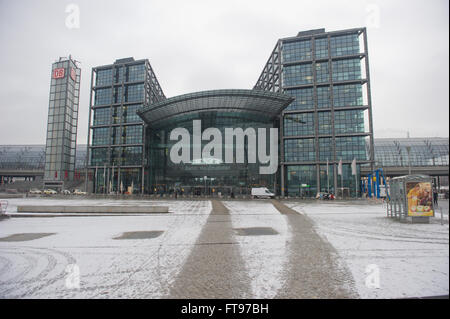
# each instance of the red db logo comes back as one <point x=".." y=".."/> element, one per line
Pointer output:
<point x="58" y="73"/>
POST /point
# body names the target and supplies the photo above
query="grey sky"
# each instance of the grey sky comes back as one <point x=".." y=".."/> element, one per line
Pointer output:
<point x="200" y="45"/>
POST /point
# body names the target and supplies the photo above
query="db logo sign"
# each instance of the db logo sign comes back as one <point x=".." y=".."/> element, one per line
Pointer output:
<point x="58" y="73"/>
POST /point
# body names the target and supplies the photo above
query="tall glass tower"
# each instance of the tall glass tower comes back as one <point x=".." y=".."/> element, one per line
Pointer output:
<point x="62" y="123"/>
<point x="330" y="120"/>
<point x="116" y="138"/>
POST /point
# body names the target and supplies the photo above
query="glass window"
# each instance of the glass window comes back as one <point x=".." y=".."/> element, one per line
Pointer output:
<point x="118" y="75"/>
<point x="351" y="121"/>
<point x="347" y="95"/>
<point x="117" y="94"/>
<point x="299" y="124"/>
<point x="344" y="70"/>
<point x="116" y="156"/>
<point x="134" y="93"/>
<point x="301" y="180"/>
<point x="324" y="123"/>
<point x="102" y="96"/>
<point x="348" y="148"/>
<point x="297" y="75"/>
<point x="102" y="116"/>
<point x="344" y="45"/>
<point x="321" y="48"/>
<point x="132" y="155"/>
<point x="322" y="74"/>
<point x="304" y="99"/>
<point x="99" y="156"/>
<point x="296" y="51"/>
<point x="299" y="150"/>
<point x="136" y="73"/>
<point x="115" y="117"/>
<point x="104" y="77"/>
<point x="100" y="136"/>
<point x="116" y="133"/>
<point x="325" y="149"/>
<point x="132" y="134"/>
<point x="323" y="97"/>
<point x="129" y="113"/>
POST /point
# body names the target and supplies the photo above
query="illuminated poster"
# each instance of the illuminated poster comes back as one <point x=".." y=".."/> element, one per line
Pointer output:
<point x="420" y="199"/>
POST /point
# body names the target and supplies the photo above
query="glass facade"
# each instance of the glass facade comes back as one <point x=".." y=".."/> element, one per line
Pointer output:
<point x="297" y="51"/>
<point x="423" y="152"/>
<point x="116" y="131"/>
<point x="189" y="178"/>
<point x="247" y="113"/>
<point x="62" y="123"/>
<point x="333" y="125"/>
<point x="330" y="119"/>
<point x="304" y="99"/>
<point x="32" y="157"/>
<point x="297" y="75"/>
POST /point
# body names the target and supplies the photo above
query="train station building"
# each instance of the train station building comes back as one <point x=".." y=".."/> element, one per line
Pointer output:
<point x="314" y="89"/>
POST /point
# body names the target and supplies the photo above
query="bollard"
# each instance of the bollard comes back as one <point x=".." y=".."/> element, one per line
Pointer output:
<point x="3" y="207"/>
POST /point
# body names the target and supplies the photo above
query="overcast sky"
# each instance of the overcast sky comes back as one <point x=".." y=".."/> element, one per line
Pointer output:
<point x="199" y="45"/>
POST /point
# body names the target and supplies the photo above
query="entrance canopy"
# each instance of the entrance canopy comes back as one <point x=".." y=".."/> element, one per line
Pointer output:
<point x="267" y="105"/>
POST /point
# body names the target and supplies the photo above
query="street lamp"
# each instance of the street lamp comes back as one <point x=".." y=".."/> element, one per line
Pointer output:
<point x="408" y="149"/>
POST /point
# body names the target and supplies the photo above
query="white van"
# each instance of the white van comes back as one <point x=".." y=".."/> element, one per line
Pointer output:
<point x="262" y="192"/>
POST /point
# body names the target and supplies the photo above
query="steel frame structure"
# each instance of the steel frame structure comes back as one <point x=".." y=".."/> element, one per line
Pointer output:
<point x="270" y="80"/>
<point x="62" y="123"/>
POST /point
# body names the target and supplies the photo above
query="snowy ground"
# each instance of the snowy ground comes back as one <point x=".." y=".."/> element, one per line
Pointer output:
<point x="412" y="259"/>
<point x="108" y="267"/>
<point x="265" y="256"/>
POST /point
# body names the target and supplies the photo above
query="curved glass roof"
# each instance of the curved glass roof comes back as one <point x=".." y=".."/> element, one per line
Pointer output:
<point x="32" y="156"/>
<point x="262" y="103"/>
<point x="393" y="152"/>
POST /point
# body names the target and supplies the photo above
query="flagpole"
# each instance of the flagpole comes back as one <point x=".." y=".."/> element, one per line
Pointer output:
<point x="354" y="172"/>
<point x="342" y="177"/>
<point x="104" y="179"/>
<point x="95" y="180"/>
<point x="118" y="180"/>
<point x="328" y="179"/>
<point x="112" y="180"/>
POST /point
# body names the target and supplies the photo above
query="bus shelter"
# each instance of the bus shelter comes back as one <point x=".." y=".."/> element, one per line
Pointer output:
<point x="411" y="198"/>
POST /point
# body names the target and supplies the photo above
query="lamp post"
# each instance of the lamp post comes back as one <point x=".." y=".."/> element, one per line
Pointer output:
<point x="408" y="149"/>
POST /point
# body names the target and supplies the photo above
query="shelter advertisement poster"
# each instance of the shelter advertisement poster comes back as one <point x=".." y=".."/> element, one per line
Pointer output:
<point x="420" y="199"/>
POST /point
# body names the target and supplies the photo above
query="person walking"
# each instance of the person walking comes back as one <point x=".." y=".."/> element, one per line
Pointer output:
<point x="435" y="198"/>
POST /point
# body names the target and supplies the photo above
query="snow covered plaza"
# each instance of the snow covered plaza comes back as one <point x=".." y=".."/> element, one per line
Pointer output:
<point x="223" y="249"/>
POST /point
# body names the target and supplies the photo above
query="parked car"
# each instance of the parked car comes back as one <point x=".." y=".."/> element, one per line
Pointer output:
<point x="262" y="192"/>
<point x="35" y="191"/>
<point x="78" y="192"/>
<point x="50" y="192"/>
<point x="65" y="192"/>
<point x="325" y="196"/>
